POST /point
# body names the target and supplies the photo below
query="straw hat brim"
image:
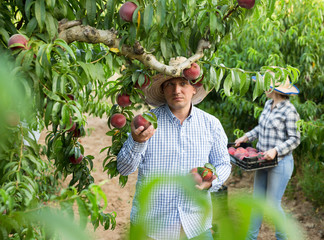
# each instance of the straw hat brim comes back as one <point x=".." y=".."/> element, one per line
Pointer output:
<point x="286" y="89"/>
<point x="155" y="97"/>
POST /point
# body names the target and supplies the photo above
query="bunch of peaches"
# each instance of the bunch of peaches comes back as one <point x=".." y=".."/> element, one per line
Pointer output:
<point x="248" y="152"/>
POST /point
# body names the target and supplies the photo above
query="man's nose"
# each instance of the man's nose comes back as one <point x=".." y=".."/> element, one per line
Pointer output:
<point x="177" y="88"/>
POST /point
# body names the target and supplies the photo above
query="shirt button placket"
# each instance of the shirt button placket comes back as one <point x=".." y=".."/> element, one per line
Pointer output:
<point x="182" y="150"/>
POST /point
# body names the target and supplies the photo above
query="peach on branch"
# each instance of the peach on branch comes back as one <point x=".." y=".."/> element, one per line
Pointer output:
<point x="198" y="83"/>
<point x="118" y="120"/>
<point x="126" y="11"/>
<point x="139" y="121"/>
<point x="17" y="41"/>
<point x="70" y="96"/>
<point x="74" y="160"/>
<point x="145" y="84"/>
<point x="123" y="100"/>
<point x="248" y="4"/>
<point x="73" y="127"/>
<point x="192" y="73"/>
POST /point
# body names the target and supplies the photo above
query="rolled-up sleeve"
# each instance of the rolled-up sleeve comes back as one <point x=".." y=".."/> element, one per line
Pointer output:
<point x="219" y="157"/>
<point x="130" y="156"/>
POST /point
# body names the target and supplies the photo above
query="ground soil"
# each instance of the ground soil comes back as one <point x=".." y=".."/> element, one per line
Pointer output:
<point x="310" y="221"/>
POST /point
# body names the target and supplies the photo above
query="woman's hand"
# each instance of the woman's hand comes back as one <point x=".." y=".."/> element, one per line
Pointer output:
<point x="241" y="140"/>
<point x="270" y="154"/>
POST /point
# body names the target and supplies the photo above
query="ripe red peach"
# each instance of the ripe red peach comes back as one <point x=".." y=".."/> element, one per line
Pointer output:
<point x="118" y="120"/>
<point x="145" y="84"/>
<point x="123" y="100"/>
<point x="126" y="11"/>
<point x="231" y="150"/>
<point x="248" y="4"/>
<point x="76" y="161"/>
<point x="139" y="120"/>
<point x="207" y="174"/>
<point x="192" y="73"/>
<point x="17" y="39"/>
<point x="251" y="149"/>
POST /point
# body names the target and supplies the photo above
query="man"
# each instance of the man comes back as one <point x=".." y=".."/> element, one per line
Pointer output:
<point x="186" y="138"/>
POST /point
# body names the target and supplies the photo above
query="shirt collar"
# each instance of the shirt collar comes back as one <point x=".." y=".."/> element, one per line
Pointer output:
<point x="173" y="118"/>
<point x="280" y="104"/>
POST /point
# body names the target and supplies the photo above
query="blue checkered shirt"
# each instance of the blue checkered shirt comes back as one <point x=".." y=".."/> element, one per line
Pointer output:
<point x="277" y="129"/>
<point x="175" y="149"/>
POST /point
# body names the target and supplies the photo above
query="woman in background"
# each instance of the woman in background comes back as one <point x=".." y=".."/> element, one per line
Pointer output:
<point x="277" y="136"/>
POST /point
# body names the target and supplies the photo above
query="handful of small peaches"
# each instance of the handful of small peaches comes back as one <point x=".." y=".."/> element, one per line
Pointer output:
<point x="204" y="174"/>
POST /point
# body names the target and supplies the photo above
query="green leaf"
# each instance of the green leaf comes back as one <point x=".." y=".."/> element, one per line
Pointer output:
<point x="63" y="44"/>
<point x="83" y="213"/>
<point x="220" y="27"/>
<point x="28" y="5"/>
<point x="65" y="113"/>
<point x="51" y="95"/>
<point x="132" y="34"/>
<point x="245" y="83"/>
<point x="77" y="112"/>
<point x="48" y="112"/>
<point x="212" y="23"/>
<point x="62" y="84"/>
<point x="212" y="76"/>
<point x="220" y="75"/>
<point x="258" y="89"/>
<point x="165" y="48"/>
<point x="271" y="7"/>
<point x="31" y="26"/>
<point x="110" y="13"/>
<point x="160" y="13"/>
<point x="148" y="17"/>
<point x="55" y="111"/>
<point x="179" y="9"/>
<point x="236" y="81"/>
<point x="51" y="25"/>
<point x="40" y="13"/>
<point x="27" y="60"/>
<point x="267" y="80"/>
<point x="135" y="16"/>
<point x="151" y="117"/>
<point x="135" y="76"/>
<point x="91" y="11"/>
<point x="211" y="167"/>
<point x="48" y="51"/>
<point x="228" y="85"/>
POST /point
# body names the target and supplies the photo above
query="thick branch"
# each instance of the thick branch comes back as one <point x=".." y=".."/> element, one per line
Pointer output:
<point x="73" y="31"/>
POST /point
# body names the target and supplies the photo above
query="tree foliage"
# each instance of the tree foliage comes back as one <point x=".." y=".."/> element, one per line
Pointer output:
<point x="80" y="55"/>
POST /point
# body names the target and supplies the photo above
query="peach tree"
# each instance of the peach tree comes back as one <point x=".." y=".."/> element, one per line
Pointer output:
<point x="74" y="59"/>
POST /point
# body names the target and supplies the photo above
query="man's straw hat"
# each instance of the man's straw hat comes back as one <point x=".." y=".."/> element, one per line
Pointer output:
<point x="154" y="95"/>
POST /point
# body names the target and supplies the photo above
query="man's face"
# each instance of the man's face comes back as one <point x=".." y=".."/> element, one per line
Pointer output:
<point x="178" y="93"/>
